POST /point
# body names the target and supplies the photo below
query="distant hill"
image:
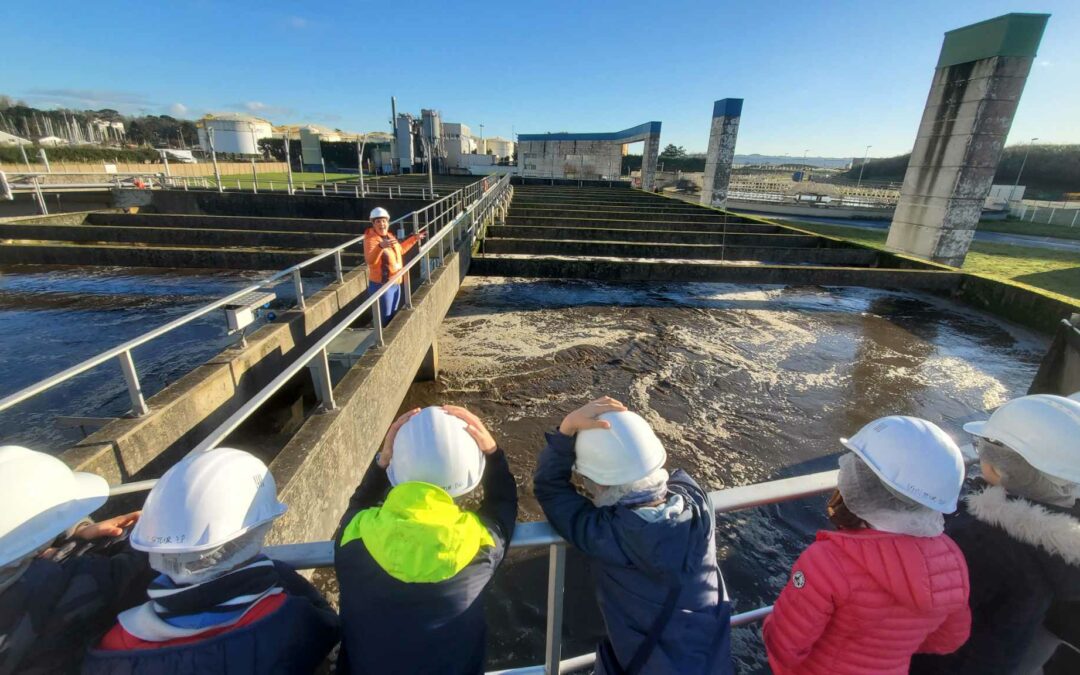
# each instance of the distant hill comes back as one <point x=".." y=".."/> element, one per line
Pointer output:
<point x="1050" y="169"/>
<point x="823" y="162"/>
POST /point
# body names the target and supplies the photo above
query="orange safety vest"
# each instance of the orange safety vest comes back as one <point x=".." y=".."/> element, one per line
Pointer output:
<point x="382" y="262"/>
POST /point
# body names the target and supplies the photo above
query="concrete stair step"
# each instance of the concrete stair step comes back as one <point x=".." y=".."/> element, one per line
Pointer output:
<point x="616" y="249"/>
<point x="172" y="236"/>
<point x="688" y="235"/>
<point x="740" y="272"/>
<point x="632" y="222"/>
<point x="624" y="214"/>
<point x="46" y="252"/>
<point x="352" y="227"/>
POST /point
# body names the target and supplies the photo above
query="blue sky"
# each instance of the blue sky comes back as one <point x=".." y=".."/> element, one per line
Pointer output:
<point x="828" y="77"/>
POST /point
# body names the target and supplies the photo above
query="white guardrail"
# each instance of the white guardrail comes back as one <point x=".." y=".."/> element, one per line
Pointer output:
<point x="537" y="534"/>
<point x="443" y="223"/>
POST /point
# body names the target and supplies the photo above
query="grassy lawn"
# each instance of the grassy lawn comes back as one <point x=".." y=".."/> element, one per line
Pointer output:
<point x="1055" y="271"/>
<point x="1031" y="229"/>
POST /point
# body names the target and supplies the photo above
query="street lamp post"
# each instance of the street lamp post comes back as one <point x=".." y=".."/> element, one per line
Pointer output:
<point x="1021" y="171"/>
<point x="213" y="156"/>
<point x="863" y="165"/>
<point x="360" y="161"/>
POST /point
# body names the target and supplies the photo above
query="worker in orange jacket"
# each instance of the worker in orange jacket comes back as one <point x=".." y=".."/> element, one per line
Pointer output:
<point x="385" y="255"/>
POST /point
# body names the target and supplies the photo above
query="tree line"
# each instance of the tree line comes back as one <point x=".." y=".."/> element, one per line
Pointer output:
<point x="158" y="131"/>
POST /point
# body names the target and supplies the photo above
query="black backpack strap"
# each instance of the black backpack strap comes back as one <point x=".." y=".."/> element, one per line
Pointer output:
<point x="645" y="649"/>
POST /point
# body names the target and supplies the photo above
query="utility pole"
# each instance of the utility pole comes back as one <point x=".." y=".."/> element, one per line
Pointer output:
<point x="213" y="156"/>
<point x="360" y="161"/>
<point x="322" y="160"/>
<point x="1021" y="171"/>
<point x="863" y="165"/>
<point x="26" y="161"/>
<point x="288" y="164"/>
<point x="483" y="148"/>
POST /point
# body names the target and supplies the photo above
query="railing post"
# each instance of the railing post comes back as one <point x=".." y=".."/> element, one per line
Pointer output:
<point x="356" y="191"/>
<point x="320" y="374"/>
<point x="407" y="284"/>
<point x="138" y="403"/>
<point x="376" y="321"/>
<point x="337" y="267"/>
<point x="556" y="581"/>
<point x="298" y="285"/>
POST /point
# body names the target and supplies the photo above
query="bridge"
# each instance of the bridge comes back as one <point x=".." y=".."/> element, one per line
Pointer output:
<point x="313" y="391"/>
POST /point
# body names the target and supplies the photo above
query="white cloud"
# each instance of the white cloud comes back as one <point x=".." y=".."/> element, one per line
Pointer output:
<point x="260" y="108"/>
<point x="1046" y="64"/>
<point x="178" y="109"/>
<point x="297" y="22"/>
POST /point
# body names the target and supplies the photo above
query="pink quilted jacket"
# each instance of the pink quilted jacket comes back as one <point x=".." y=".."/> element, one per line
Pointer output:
<point x="861" y="602"/>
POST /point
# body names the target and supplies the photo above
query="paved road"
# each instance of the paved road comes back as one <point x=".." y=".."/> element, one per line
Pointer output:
<point x="992" y="237"/>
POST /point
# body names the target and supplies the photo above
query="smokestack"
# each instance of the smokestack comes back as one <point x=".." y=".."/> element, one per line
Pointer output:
<point x="393" y="114"/>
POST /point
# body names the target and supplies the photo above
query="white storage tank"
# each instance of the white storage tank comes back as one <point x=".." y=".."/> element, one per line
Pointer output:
<point x="234" y="133"/>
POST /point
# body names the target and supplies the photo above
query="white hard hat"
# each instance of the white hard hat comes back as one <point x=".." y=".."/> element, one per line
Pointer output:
<point x="206" y="500"/>
<point x="626" y="452"/>
<point x="1075" y="397"/>
<point x="433" y="447"/>
<point x="40" y="497"/>
<point x="379" y="212"/>
<point x="1043" y="429"/>
<point x="914" y="457"/>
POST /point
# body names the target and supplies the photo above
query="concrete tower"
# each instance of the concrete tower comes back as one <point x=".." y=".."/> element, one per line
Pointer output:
<point x="722" y="135"/>
<point x="980" y="75"/>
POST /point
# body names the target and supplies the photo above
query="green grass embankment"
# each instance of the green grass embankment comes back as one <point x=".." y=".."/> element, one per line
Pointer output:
<point x="1054" y="271"/>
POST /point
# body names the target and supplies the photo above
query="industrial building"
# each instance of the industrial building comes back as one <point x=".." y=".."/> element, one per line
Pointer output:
<point x="234" y="133"/>
<point x="591" y="156"/>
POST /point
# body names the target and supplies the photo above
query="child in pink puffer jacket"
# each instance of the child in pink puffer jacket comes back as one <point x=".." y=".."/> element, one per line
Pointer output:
<point x="888" y="583"/>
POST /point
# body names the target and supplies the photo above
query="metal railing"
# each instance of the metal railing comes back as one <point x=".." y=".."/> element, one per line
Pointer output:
<point x="455" y="220"/>
<point x="539" y="534"/>
<point x="438" y="215"/>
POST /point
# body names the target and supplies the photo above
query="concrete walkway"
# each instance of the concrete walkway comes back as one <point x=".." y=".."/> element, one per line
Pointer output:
<point x="1052" y="243"/>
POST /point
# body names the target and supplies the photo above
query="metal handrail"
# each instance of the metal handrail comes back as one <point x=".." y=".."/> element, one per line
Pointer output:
<point x="311" y="555"/>
<point x="371" y="304"/>
<point x="123" y="351"/>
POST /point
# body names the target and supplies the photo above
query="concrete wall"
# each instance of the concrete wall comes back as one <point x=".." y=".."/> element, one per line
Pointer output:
<point x="588" y="160"/>
<point x="970" y="108"/>
<point x="321" y="466"/>
<point x="185" y="411"/>
<point x="723" y="133"/>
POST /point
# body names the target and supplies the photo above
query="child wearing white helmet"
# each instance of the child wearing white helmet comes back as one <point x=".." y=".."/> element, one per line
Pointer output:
<point x="650" y="540"/>
<point x="59" y="586"/>
<point x="1020" y="531"/>
<point x="413" y="567"/>
<point x="887" y="583"/>
<point x="218" y="605"/>
<point x="385" y="256"/>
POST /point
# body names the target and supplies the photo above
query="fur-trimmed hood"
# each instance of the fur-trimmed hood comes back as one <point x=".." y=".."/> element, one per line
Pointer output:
<point x="1054" y="532"/>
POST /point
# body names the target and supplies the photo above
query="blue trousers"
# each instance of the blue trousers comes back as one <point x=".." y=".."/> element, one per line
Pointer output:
<point x="389" y="303"/>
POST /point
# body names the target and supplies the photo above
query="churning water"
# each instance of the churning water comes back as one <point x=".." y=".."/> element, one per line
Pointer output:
<point x="742" y="383"/>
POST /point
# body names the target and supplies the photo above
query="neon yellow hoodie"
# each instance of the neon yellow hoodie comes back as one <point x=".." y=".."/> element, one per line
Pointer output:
<point x="419" y="535"/>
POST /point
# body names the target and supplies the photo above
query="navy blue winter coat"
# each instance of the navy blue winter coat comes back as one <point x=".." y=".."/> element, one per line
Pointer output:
<point x="635" y="562"/>
<point x="55" y="611"/>
<point x="294" y="638"/>
<point x="391" y="626"/>
<point x="1022" y="557"/>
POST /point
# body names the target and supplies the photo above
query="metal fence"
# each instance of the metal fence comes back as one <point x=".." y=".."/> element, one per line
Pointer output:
<point x="442" y="222"/>
<point x="312" y="555"/>
<point x="1065" y="214"/>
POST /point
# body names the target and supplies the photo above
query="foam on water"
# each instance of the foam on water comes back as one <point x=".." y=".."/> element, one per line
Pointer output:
<point x="742" y="384"/>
